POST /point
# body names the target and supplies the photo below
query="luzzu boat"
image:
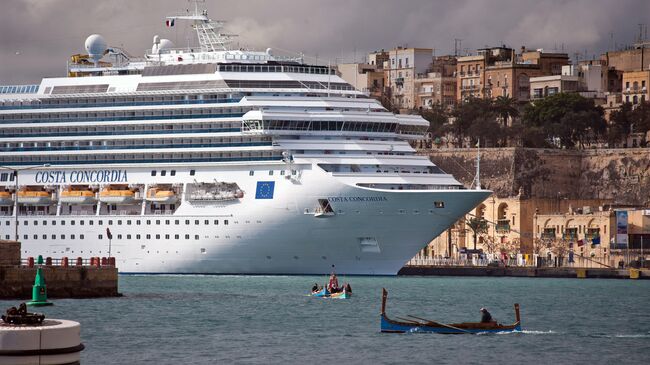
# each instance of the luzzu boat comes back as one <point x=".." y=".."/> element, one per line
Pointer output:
<point x="417" y="324"/>
<point x="324" y="293"/>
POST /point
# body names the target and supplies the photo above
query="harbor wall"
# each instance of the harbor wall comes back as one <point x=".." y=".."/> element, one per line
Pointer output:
<point x="619" y="175"/>
<point x="16" y="281"/>
<point x="531" y="272"/>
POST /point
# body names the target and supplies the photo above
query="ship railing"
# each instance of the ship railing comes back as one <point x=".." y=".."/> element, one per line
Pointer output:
<point x="66" y="261"/>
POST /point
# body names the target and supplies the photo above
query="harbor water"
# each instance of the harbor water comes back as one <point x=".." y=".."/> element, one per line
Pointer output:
<point x="258" y="319"/>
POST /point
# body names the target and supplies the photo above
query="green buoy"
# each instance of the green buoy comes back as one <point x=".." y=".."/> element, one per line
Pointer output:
<point x="39" y="290"/>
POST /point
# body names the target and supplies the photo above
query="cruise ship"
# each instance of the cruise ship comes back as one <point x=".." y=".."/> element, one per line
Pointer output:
<point x="216" y="160"/>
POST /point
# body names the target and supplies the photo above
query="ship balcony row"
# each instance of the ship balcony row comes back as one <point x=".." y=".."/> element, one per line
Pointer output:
<point x="229" y="125"/>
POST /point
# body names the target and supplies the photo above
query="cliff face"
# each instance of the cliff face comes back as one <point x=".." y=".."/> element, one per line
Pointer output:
<point x="622" y="175"/>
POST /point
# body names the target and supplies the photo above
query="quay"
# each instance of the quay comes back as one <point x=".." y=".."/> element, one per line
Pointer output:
<point x="74" y="278"/>
<point x="515" y="268"/>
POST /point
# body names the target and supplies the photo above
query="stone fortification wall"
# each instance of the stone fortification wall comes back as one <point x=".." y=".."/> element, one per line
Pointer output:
<point x="622" y="175"/>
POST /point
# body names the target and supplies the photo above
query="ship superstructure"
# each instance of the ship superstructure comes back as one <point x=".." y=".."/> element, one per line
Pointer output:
<point x="217" y="160"/>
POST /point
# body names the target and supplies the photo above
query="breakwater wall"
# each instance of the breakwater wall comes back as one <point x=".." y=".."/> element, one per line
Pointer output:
<point x="530" y="272"/>
<point x="62" y="282"/>
<point x="78" y="281"/>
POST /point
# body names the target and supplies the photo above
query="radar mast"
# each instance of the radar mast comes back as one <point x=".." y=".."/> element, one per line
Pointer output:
<point x="207" y="30"/>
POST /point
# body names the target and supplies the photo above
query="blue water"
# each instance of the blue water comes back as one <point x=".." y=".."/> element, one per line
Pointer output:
<point x="241" y="319"/>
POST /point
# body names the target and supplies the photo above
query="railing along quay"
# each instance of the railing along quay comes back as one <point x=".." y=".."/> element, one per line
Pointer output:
<point x="71" y="262"/>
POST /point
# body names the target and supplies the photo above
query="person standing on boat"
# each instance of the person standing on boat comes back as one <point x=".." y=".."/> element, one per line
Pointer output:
<point x="486" y="317"/>
<point x="333" y="285"/>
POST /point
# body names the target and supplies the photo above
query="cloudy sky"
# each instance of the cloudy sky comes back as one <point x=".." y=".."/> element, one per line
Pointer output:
<point x="37" y="36"/>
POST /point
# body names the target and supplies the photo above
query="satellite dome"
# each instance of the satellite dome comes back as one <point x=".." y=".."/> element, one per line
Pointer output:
<point x="96" y="47"/>
<point x="165" y="44"/>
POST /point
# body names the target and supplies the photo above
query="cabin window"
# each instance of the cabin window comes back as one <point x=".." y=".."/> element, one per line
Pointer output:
<point x="225" y="222"/>
<point x="439" y="204"/>
<point x="207" y="222"/>
<point x="72" y="237"/>
<point x="157" y="222"/>
<point x="251" y="173"/>
<point x="157" y="236"/>
<point x="153" y="172"/>
<point x="148" y="236"/>
<point x="177" y="222"/>
<point x="128" y="236"/>
<point x="192" y="172"/>
<point x="172" y="173"/>
<point x="100" y="222"/>
<point x="176" y="236"/>
<point x="163" y="173"/>
<point x="216" y="222"/>
<point x="196" y="236"/>
<point x="119" y="236"/>
<point x="196" y="222"/>
<point x="187" y="236"/>
<point x="137" y="236"/>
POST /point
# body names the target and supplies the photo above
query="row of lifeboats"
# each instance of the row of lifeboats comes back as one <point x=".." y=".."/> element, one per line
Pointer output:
<point x="82" y="195"/>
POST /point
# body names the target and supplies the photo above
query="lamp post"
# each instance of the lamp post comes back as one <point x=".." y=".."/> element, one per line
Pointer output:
<point x="15" y="171"/>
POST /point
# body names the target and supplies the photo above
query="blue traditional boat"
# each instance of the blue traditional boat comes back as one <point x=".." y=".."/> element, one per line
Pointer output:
<point x="417" y="324"/>
<point x="324" y="293"/>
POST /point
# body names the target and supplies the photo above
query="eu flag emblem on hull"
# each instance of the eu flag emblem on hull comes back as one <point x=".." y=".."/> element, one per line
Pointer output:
<point x="264" y="190"/>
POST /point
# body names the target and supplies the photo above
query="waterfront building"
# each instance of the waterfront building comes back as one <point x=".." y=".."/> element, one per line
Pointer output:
<point x="592" y="232"/>
<point x="509" y="225"/>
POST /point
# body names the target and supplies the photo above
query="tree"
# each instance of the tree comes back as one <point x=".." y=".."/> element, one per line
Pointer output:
<point x="475" y="118"/>
<point x="620" y="124"/>
<point x="566" y="120"/>
<point x="506" y="108"/>
<point x="477" y="226"/>
<point x="437" y="117"/>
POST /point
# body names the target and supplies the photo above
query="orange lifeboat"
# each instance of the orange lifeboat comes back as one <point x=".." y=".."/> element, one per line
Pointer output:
<point x="118" y="195"/>
<point x="161" y="196"/>
<point x="77" y="195"/>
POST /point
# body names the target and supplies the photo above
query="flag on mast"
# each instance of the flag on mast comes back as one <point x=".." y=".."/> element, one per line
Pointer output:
<point x="109" y="235"/>
<point x="169" y="23"/>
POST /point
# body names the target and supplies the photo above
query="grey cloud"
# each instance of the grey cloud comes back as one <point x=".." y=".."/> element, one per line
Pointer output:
<point x="46" y="32"/>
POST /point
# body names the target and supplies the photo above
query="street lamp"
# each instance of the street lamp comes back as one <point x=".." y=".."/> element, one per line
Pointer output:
<point x="15" y="172"/>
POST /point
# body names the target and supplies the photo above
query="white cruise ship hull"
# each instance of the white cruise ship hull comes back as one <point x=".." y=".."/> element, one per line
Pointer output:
<point x="369" y="232"/>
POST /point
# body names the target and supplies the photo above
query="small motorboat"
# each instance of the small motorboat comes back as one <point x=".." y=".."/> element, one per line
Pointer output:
<point x="417" y="324"/>
<point x="324" y="293"/>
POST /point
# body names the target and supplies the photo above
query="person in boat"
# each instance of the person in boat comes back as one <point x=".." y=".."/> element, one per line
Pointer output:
<point x="315" y="288"/>
<point x="333" y="285"/>
<point x="348" y="288"/>
<point x="486" y="317"/>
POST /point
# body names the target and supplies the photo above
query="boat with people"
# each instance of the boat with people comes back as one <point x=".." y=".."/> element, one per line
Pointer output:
<point x="332" y="289"/>
<point x="417" y="324"/>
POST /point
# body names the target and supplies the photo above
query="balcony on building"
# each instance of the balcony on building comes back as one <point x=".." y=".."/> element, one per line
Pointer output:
<point x="570" y="234"/>
<point x="548" y="234"/>
<point x="503" y="226"/>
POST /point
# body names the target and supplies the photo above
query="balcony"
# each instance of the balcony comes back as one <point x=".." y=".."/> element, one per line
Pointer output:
<point x="503" y="226"/>
<point x="548" y="234"/>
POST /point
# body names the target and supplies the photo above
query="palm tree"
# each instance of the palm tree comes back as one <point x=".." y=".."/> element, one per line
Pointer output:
<point x="477" y="226"/>
<point x="505" y="107"/>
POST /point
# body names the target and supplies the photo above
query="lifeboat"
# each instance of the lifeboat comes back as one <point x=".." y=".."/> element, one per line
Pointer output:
<point x="34" y="197"/>
<point x="77" y="196"/>
<point x="5" y="198"/>
<point x="162" y="196"/>
<point x="118" y="195"/>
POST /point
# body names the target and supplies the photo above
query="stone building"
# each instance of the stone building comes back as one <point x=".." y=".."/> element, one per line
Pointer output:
<point x="499" y="71"/>
<point x="434" y="88"/>
<point x="592" y="232"/>
<point x="509" y="225"/>
<point x="404" y="64"/>
<point x="636" y="85"/>
<point x="364" y="77"/>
